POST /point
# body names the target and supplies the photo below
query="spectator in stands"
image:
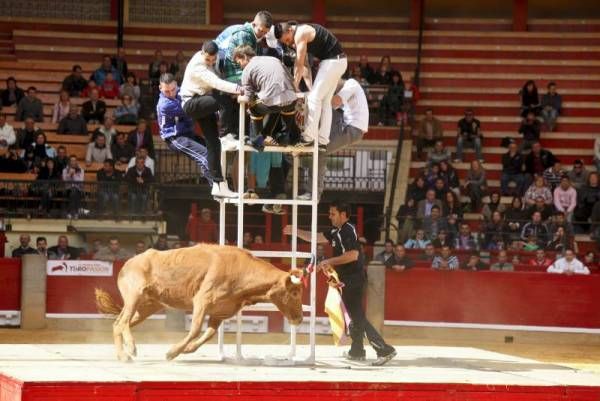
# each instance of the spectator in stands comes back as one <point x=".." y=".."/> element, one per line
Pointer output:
<point x="587" y="197"/>
<point x="10" y="161"/>
<point x="560" y="241"/>
<point x="495" y="235"/>
<point x="597" y="153"/>
<point x="138" y="177"/>
<point x="451" y="207"/>
<point x="530" y="129"/>
<point x="568" y="265"/>
<point x="475" y="185"/>
<point x="62" y="250"/>
<point x="247" y="240"/>
<point x="538" y="189"/>
<point x="366" y="71"/>
<point x="97" y="246"/>
<point x="85" y="93"/>
<point x="494" y="205"/>
<point x="538" y="160"/>
<point x="161" y="243"/>
<point x="542" y="207"/>
<point x="540" y="260"/>
<point x="258" y="239"/>
<point x="48" y="172"/>
<point x="551" y="106"/>
<point x="399" y="261"/>
<point x="440" y="188"/>
<point x="112" y="252"/>
<point x="73" y="176"/>
<point x="466" y="241"/>
<point x="406" y="219"/>
<point x="30" y="106"/>
<point x="502" y="265"/>
<point x="474" y="263"/>
<point x="432" y="173"/>
<point x="40" y="150"/>
<point x="553" y="175"/>
<point x="565" y="198"/>
<point x="443" y="239"/>
<point x="12" y="95"/>
<point x="595" y="220"/>
<point x="391" y="103"/>
<point x="107" y="130"/>
<point x="432" y="225"/>
<point x="131" y="88"/>
<point x="589" y="260"/>
<point x="127" y="112"/>
<point x="177" y="68"/>
<point x="450" y="177"/>
<point x="424" y="207"/>
<point x="429" y="132"/>
<point x="148" y="161"/>
<point x="388" y="251"/>
<point x="110" y="87"/>
<point x="99" y="76"/>
<point x="445" y="261"/>
<point x="469" y="134"/>
<point x="97" y="151"/>
<point x="559" y="220"/>
<point x="24" y="248"/>
<point x="61" y="160"/>
<point x="537" y="229"/>
<point x="419" y="241"/>
<point x="109" y="181"/>
<point x="120" y="64"/>
<point x="7" y="132"/>
<point x="429" y="254"/>
<point x="62" y="107"/>
<point x="140" y="247"/>
<point x="530" y="100"/>
<point x="94" y="109"/>
<point x="512" y="170"/>
<point x="154" y="68"/>
<point x="121" y="150"/>
<point x="417" y="189"/>
<point x="515" y="217"/>
<point x="438" y="154"/>
<point x="409" y="103"/>
<point x="41" y="246"/>
<point x="141" y="137"/>
<point x="73" y="124"/>
<point x="74" y="83"/>
<point x="578" y="174"/>
<point x="207" y="231"/>
<point x="26" y="135"/>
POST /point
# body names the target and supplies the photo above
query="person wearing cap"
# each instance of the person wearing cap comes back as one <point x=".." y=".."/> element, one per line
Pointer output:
<point x="565" y="198"/>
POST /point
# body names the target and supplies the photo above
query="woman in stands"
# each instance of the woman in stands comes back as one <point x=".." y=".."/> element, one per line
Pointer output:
<point x="452" y="209"/>
<point x="62" y="107"/>
<point x="127" y="112"/>
<point x="383" y="76"/>
<point x="39" y="151"/>
<point x="530" y="100"/>
<point x="418" y="242"/>
<point x="406" y="218"/>
<point x="417" y="189"/>
<point x="450" y="177"/>
<point x="495" y="204"/>
<point x="131" y="88"/>
<point x="560" y="241"/>
<point x="538" y="189"/>
<point x="476" y="185"/>
<point x="515" y="217"/>
<point x="48" y="172"/>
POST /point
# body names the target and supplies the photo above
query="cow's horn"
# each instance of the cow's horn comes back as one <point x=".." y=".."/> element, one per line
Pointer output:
<point x="295" y="280"/>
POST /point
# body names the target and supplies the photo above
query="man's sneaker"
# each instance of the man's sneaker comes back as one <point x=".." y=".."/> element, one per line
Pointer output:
<point x="250" y="194"/>
<point x="305" y="196"/>
<point x="273" y="209"/>
<point x="357" y="358"/>
<point x="221" y="190"/>
<point x="382" y="360"/>
<point x="228" y="143"/>
<point x="303" y="143"/>
<point x="322" y="148"/>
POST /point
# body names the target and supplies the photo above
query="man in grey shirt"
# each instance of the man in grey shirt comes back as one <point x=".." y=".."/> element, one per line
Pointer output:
<point x="270" y="91"/>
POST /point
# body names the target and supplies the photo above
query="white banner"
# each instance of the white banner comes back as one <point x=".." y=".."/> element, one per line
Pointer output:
<point x="79" y="268"/>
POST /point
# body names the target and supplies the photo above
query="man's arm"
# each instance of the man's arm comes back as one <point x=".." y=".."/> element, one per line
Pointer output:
<point x="217" y="83"/>
<point x="301" y="40"/>
<point x="305" y="235"/>
<point x="247" y="83"/>
<point x="346" y="257"/>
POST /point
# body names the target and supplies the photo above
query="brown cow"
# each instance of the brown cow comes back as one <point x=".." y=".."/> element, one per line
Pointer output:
<point x="208" y="279"/>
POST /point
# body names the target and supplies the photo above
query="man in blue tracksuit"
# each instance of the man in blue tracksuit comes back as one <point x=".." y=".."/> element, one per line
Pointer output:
<point x="177" y="130"/>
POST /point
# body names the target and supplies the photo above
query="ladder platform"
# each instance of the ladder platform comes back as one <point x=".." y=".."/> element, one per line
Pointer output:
<point x="278" y="149"/>
<point x="281" y="254"/>
<point x="262" y="201"/>
<point x="264" y="307"/>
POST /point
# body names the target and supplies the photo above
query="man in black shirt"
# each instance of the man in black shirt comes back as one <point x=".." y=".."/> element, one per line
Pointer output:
<point x="24" y="248"/>
<point x="346" y="261"/>
<point x="469" y="133"/>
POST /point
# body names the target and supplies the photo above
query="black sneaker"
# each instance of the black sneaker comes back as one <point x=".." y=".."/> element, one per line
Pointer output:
<point x="382" y="360"/>
<point x="356" y="358"/>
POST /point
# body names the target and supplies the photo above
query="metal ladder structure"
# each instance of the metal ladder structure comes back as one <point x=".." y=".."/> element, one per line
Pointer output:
<point x="290" y="359"/>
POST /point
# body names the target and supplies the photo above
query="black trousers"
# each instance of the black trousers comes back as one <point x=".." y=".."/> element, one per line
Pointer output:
<point x="352" y="295"/>
<point x="203" y="109"/>
<point x="258" y="111"/>
<point x="230" y="113"/>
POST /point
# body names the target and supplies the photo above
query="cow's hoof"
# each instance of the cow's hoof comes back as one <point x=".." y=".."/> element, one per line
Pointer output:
<point x="123" y="357"/>
<point x="132" y="350"/>
<point x="172" y="354"/>
<point x="189" y="349"/>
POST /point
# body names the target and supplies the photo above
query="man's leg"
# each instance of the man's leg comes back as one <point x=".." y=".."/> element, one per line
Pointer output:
<point x="334" y="70"/>
<point x="229" y="113"/>
<point x="459" y="147"/>
<point x="288" y="115"/>
<point x="376" y="340"/>
<point x="195" y="151"/>
<point x="477" y="145"/>
<point x="352" y="297"/>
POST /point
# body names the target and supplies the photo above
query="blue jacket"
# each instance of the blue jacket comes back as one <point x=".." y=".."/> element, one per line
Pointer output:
<point x="172" y="120"/>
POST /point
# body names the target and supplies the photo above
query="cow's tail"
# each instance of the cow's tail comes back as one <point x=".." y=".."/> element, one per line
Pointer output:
<point x="105" y="303"/>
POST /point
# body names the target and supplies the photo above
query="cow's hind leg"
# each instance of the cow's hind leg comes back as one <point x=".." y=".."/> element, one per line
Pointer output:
<point x="121" y="327"/>
<point x="144" y="310"/>
<point x="199" y="310"/>
<point x="213" y="325"/>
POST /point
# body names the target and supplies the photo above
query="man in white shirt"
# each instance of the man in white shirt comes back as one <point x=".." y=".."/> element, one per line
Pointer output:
<point x="7" y="132"/>
<point x="199" y="103"/>
<point x="568" y="265"/>
<point x="148" y="161"/>
<point x="349" y="124"/>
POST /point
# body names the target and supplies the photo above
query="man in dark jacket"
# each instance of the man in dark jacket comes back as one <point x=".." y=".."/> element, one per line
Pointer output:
<point x="138" y="178"/>
<point x="399" y="261"/>
<point x="24" y="248"/>
<point x="73" y="123"/>
<point x="94" y="109"/>
<point x="141" y="137"/>
<point x="62" y="250"/>
<point x="538" y="160"/>
<point x="530" y="129"/>
<point x="30" y="106"/>
<point x="121" y="150"/>
<point x="109" y="181"/>
<point x="74" y="83"/>
<point x="12" y="95"/>
<point x="26" y="135"/>
<point x="512" y="169"/>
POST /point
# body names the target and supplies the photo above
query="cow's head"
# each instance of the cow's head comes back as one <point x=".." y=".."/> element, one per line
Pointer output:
<point x="287" y="296"/>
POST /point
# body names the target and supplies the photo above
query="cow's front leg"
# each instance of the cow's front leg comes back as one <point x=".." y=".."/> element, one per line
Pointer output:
<point x="199" y="309"/>
<point x="213" y="325"/>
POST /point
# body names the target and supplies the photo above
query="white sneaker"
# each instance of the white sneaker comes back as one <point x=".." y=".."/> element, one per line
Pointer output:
<point x="221" y="190"/>
<point x="229" y="143"/>
<point x="305" y="196"/>
<point x="251" y="195"/>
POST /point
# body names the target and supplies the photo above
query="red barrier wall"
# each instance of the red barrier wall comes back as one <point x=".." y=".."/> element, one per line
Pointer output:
<point x="517" y="298"/>
<point x="10" y="284"/>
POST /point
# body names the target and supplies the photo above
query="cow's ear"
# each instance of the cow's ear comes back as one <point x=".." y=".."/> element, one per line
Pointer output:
<point x="292" y="281"/>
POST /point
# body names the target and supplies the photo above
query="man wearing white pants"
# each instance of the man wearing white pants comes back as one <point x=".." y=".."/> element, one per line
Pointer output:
<point x="322" y="44"/>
